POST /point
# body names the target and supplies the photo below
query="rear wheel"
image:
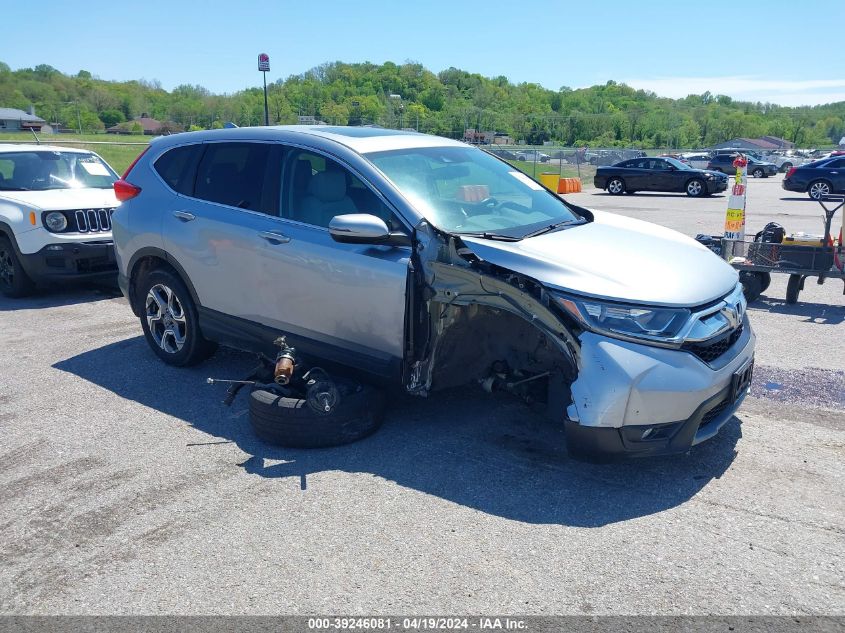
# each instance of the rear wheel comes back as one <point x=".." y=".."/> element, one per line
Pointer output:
<point x="819" y="189"/>
<point x="14" y="282"/>
<point x="793" y="288"/>
<point x="169" y="320"/>
<point x="616" y="186"/>
<point x="758" y="173"/>
<point x="696" y="188"/>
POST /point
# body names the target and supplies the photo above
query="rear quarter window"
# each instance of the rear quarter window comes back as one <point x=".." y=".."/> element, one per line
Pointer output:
<point x="178" y="168"/>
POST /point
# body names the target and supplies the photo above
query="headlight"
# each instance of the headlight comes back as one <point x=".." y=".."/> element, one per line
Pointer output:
<point x="658" y="325"/>
<point x="55" y="221"/>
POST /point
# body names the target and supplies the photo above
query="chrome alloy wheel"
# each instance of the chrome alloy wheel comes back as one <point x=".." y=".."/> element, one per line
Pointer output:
<point x="166" y="318"/>
<point x="615" y="186"/>
<point x="819" y="190"/>
<point x="694" y="188"/>
<point x="7" y="268"/>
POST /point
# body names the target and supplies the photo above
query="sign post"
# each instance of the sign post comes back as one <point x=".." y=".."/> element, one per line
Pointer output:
<point x="264" y="66"/>
<point x="735" y="217"/>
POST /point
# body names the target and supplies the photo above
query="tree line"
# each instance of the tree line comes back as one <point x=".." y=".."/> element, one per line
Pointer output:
<point x="410" y="96"/>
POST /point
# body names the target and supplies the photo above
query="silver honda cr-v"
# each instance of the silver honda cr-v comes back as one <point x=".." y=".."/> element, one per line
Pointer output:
<point x="430" y="263"/>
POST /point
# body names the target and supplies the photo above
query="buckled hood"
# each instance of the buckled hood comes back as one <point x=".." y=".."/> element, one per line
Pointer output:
<point x="617" y="258"/>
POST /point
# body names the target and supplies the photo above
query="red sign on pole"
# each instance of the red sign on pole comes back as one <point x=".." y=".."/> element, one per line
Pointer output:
<point x="264" y="62"/>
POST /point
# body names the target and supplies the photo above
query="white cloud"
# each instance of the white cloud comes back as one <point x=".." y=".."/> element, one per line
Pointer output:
<point x="748" y="88"/>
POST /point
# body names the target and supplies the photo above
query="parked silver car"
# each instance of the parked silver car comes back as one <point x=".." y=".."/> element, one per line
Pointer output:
<point x="432" y="264"/>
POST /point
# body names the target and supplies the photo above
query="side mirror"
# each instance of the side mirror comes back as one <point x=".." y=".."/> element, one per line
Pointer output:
<point x="363" y="228"/>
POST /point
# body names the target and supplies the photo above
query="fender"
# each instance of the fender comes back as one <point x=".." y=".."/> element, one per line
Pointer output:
<point x="152" y="251"/>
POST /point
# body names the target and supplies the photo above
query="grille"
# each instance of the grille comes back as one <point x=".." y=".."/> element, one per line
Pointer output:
<point x="90" y="220"/>
<point x="712" y="349"/>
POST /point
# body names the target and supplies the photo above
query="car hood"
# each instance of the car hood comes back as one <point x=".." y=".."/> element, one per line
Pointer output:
<point x="618" y="258"/>
<point x="56" y="199"/>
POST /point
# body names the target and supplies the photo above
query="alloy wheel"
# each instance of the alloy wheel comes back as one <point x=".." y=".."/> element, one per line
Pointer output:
<point x="819" y="190"/>
<point x="615" y="186"/>
<point x="166" y="318"/>
<point x="694" y="188"/>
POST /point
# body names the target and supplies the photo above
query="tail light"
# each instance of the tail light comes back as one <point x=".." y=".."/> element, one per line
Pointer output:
<point x="124" y="190"/>
<point x="790" y="172"/>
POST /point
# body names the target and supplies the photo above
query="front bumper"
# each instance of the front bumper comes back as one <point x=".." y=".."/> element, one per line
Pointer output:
<point x="632" y="399"/>
<point x="716" y="185"/>
<point x="72" y="261"/>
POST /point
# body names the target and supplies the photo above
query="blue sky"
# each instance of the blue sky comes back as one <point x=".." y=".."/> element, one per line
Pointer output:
<point x="787" y="52"/>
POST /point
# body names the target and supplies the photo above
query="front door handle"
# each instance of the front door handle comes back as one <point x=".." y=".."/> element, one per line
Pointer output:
<point x="274" y="237"/>
<point x="185" y="216"/>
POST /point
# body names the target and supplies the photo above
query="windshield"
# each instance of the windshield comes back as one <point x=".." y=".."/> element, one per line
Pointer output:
<point x="41" y="170"/>
<point x="465" y="190"/>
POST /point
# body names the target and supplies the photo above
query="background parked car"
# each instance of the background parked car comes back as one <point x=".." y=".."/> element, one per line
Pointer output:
<point x="55" y="217"/>
<point x="756" y="168"/>
<point x="658" y="174"/>
<point x="818" y="179"/>
<point x="697" y="160"/>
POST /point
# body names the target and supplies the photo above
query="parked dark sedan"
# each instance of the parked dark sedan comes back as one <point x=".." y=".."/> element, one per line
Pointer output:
<point x="757" y="168"/>
<point x="658" y="174"/>
<point x="819" y="179"/>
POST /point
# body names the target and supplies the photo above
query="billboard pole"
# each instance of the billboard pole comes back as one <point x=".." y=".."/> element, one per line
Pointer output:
<point x="264" y="66"/>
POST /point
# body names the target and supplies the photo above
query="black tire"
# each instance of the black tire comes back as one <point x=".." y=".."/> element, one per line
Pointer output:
<point x="178" y="321"/>
<point x="616" y="186"/>
<point x="793" y="288"/>
<point x="14" y="282"/>
<point x="630" y="192"/>
<point x="819" y="189"/>
<point x="752" y="285"/>
<point x="758" y="173"/>
<point x="766" y="280"/>
<point x="291" y="422"/>
<point x="696" y="188"/>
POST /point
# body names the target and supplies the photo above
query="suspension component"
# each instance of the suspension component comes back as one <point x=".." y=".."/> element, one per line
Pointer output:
<point x="285" y="362"/>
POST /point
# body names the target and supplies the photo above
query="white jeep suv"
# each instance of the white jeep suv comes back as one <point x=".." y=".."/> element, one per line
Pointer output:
<point x="55" y="216"/>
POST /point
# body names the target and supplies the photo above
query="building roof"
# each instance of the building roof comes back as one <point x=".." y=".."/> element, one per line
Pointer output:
<point x="147" y="124"/>
<point x="12" y="114"/>
<point x="765" y="142"/>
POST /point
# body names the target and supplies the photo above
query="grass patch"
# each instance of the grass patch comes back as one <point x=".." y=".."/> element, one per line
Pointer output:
<point x="565" y="171"/>
<point x="113" y="149"/>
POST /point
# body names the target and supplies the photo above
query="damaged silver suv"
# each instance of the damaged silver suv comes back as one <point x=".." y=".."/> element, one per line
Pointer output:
<point x="427" y="262"/>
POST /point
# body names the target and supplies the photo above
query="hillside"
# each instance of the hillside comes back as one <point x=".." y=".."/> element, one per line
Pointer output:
<point x="445" y="103"/>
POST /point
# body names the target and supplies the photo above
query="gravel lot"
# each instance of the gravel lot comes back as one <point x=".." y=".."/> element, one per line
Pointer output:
<point x="126" y="487"/>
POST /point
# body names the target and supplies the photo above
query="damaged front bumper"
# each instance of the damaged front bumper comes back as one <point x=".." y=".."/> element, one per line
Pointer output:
<point x="632" y="399"/>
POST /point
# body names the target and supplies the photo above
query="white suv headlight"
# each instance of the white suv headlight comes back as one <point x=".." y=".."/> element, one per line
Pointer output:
<point x="55" y="221"/>
<point x="656" y="325"/>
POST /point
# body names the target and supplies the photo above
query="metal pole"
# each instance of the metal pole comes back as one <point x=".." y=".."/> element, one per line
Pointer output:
<point x="266" y="109"/>
<point x="78" y="118"/>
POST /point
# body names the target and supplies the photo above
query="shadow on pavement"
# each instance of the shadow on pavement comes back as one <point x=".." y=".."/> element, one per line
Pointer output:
<point x="484" y="452"/>
<point x="653" y="194"/>
<point x="821" y="313"/>
<point x="53" y="297"/>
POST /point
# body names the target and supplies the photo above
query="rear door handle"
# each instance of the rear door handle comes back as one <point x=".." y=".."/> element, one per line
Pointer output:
<point x="274" y="238"/>
<point x="185" y="216"/>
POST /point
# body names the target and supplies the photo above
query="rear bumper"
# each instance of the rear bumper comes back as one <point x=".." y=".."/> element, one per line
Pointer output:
<point x="75" y="261"/>
<point x="793" y="186"/>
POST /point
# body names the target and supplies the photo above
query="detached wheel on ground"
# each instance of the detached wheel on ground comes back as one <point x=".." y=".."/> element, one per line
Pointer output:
<point x="696" y="188"/>
<point x="293" y="423"/>
<point x="14" y="282"/>
<point x="616" y="186"/>
<point x="169" y="320"/>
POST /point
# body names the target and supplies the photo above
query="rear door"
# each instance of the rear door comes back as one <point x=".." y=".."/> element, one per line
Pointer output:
<point x="836" y="173"/>
<point x="215" y="230"/>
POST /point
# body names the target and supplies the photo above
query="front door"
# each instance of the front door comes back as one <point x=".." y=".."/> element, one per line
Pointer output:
<point x="344" y="302"/>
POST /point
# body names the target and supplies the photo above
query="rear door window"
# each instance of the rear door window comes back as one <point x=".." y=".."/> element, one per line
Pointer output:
<point x="234" y="174"/>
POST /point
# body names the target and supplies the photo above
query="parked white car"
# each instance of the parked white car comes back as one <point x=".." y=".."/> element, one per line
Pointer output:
<point x="55" y="217"/>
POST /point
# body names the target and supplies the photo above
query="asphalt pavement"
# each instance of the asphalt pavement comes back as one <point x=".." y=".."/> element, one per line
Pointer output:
<point x="127" y="487"/>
